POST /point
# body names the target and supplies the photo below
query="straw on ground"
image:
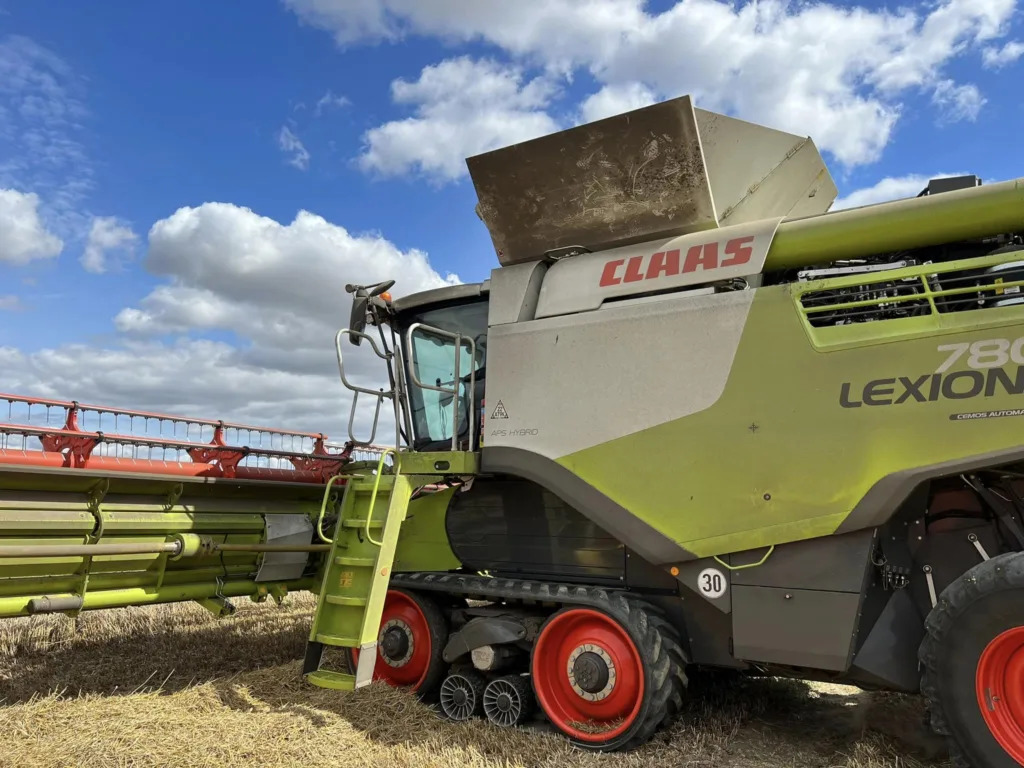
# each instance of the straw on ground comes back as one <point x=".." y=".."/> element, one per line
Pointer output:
<point x="172" y="686"/>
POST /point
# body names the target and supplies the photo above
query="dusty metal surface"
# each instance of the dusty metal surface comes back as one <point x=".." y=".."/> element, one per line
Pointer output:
<point x="621" y="180"/>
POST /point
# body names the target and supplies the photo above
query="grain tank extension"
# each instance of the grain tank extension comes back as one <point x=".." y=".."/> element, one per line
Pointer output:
<point x="693" y="421"/>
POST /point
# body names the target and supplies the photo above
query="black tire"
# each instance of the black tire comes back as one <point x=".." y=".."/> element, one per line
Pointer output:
<point x="657" y="647"/>
<point x="979" y="606"/>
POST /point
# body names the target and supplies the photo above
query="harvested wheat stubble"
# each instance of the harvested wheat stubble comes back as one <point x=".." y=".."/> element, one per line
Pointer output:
<point x="172" y="686"/>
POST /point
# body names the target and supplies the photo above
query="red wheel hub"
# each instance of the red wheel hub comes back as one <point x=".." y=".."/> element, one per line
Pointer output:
<point x="588" y="675"/>
<point x="1000" y="689"/>
<point x="404" y="647"/>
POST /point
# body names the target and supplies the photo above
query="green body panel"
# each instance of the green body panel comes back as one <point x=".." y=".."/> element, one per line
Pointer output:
<point x="897" y="225"/>
<point x="778" y="458"/>
<point x="423" y="542"/>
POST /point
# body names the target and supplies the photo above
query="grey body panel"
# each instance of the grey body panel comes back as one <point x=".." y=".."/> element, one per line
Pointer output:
<point x="797" y="627"/>
<point x="689" y="579"/>
<point x="492" y="630"/>
<point x="830" y="564"/>
<point x="647" y="542"/>
<point x="285" y="529"/>
<point x="514" y="293"/>
<point x="888" y="656"/>
<point x="439" y="295"/>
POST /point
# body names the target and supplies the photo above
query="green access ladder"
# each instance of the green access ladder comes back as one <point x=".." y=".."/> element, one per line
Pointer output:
<point x="356" y="576"/>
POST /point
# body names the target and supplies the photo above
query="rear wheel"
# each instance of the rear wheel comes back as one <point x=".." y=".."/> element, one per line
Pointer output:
<point x="608" y="679"/>
<point x="973" y="658"/>
<point x="410" y="642"/>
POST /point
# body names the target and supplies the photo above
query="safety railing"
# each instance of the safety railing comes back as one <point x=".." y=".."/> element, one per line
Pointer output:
<point x="58" y="433"/>
<point x="379" y="394"/>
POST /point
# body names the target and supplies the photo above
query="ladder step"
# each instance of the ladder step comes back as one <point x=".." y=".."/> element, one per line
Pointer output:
<point x="342" y="600"/>
<point x="338" y="681"/>
<point x="344" y="642"/>
<point x="362" y="523"/>
<point x="358" y="562"/>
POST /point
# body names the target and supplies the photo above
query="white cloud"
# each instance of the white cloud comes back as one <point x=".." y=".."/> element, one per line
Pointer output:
<point x="330" y="100"/>
<point x="40" y="149"/>
<point x="462" y="108"/>
<point x="9" y="303"/>
<point x="889" y="188"/>
<point x="290" y="143"/>
<point x="616" y="99"/>
<point x="23" y="235"/>
<point x="108" y="234"/>
<point x="838" y="73"/>
<point x="277" y="288"/>
<point x="959" y="102"/>
<point x="997" y="58"/>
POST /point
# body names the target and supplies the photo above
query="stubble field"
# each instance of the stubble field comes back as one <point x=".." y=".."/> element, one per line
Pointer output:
<point x="173" y="686"/>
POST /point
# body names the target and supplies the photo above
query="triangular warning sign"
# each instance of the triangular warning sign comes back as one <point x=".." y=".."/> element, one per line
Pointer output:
<point x="499" y="412"/>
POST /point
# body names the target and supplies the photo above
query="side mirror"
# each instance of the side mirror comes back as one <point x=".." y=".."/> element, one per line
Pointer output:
<point x="357" y="321"/>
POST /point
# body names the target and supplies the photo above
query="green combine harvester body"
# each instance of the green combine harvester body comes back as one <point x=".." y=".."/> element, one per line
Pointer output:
<point x="693" y="425"/>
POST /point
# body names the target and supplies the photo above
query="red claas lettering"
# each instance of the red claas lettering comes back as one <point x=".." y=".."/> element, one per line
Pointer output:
<point x="698" y="258"/>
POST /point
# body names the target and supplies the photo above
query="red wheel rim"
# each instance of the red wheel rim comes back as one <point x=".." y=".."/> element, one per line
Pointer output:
<point x="1000" y="689"/>
<point x="411" y="671"/>
<point x="621" y="697"/>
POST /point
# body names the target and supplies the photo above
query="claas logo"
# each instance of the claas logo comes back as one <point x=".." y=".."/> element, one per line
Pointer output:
<point x="704" y="257"/>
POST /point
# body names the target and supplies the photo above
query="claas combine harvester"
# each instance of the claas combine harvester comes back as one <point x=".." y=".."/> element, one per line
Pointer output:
<point x="693" y="421"/>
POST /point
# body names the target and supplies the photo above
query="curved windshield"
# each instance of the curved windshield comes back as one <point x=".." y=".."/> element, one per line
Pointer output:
<point x="433" y="361"/>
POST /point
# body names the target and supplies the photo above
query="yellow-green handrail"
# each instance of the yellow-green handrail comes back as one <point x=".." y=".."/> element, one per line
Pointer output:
<point x="373" y="497"/>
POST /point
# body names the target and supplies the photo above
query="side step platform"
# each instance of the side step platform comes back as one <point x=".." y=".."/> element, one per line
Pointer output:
<point x="356" y="577"/>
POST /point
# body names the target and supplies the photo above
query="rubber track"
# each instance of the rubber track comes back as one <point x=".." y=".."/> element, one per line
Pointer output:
<point x="1003" y="572"/>
<point x="657" y="639"/>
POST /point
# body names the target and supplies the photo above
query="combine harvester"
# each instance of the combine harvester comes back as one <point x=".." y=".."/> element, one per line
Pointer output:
<point x="693" y="421"/>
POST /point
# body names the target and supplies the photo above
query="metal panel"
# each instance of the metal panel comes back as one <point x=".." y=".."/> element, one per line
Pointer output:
<point x="889" y="654"/>
<point x="800" y="627"/>
<point x="584" y="283"/>
<point x="514" y="293"/>
<point x="628" y="178"/>
<point x="517" y="528"/>
<point x="285" y="529"/>
<point x="829" y="563"/>
<point x="758" y="172"/>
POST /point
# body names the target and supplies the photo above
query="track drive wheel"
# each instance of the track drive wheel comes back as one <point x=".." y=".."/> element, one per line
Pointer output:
<point x="410" y="641"/>
<point x="973" y="659"/>
<point x="608" y="678"/>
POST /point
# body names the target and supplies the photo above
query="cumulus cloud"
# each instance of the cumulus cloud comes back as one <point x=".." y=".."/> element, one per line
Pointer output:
<point x="275" y="290"/>
<point x="107" y="236"/>
<point x="616" y="99"/>
<point x="838" y="73"/>
<point x="23" y="235"/>
<point x="462" y="107"/>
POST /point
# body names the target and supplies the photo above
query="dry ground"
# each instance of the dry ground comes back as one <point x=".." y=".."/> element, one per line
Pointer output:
<point x="170" y="685"/>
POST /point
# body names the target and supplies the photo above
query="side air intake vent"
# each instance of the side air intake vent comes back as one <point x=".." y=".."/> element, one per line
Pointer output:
<point x="921" y="291"/>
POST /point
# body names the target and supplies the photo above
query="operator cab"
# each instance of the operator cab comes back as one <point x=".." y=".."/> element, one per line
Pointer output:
<point x="430" y="359"/>
<point x="431" y="334"/>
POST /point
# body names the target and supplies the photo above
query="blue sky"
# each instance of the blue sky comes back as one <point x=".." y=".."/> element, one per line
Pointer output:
<point x="130" y="122"/>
